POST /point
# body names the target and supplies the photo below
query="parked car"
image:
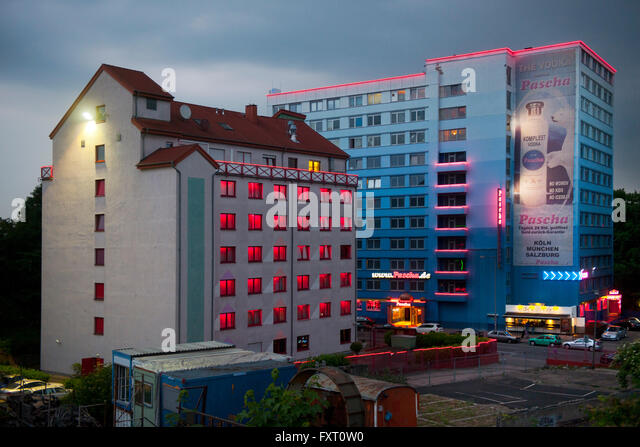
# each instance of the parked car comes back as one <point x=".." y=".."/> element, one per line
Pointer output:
<point x="581" y="343"/>
<point x="607" y="358"/>
<point x="22" y="386"/>
<point x="546" y="340"/>
<point x="365" y="321"/>
<point x="630" y="324"/>
<point x="614" y="333"/>
<point x="9" y="379"/>
<point x="425" y="328"/>
<point x="51" y="389"/>
<point x="503" y="336"/>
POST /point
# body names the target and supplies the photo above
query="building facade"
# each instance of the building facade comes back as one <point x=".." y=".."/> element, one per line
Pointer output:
<point x="157" y="221"/>
<point x="492" y="175"/>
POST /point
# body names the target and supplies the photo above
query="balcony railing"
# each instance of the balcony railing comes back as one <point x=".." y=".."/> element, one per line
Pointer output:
<point x="282" y="173"/>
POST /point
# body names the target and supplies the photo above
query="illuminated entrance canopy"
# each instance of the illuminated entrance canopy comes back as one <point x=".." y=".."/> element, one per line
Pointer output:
<point x="401" y="275"/>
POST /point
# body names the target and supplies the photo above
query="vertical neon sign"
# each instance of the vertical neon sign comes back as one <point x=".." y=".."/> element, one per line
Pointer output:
<point x="499" y="219"/>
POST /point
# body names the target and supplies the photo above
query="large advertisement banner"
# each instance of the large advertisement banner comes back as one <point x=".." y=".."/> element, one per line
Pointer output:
<point x="544" y="155"/>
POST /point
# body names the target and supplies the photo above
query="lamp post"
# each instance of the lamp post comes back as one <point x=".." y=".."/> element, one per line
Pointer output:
<point x="595" y="325"/>
<point x="495" y="288"/>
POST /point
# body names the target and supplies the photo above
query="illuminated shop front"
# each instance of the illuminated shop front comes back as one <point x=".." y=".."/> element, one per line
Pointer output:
<point x="540" y="318"/>
<point x="403" y="311"/>
<point x="604" y="308"/>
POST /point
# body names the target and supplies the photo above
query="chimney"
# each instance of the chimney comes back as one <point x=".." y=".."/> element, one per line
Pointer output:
<point x="251" y="112"/>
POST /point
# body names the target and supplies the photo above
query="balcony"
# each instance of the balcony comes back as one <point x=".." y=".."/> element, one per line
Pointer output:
<point x="452" y="166"/>
<point x="289" y="174"/>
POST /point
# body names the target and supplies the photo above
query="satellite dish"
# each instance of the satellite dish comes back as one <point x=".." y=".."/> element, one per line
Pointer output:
<point x="185" y="111"/>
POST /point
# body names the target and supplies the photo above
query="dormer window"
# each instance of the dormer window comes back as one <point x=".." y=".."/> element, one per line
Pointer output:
<point x="101" y="114"/>
<point x="152" y="104"/>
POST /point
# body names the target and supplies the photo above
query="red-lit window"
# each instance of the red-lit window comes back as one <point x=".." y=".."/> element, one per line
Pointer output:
<point x="255" y="190"/>
<point x="279" y="284"/>
<point x="279" y="315"/>
<point x="359" y="305"/>
<point x="303" y="252"/>
<point x="325" y="252"/>
<point x="98" y="326"/>
<point x="255" y="222"/>
<point x="304" y="223"/>
<point x="325" y="310"/>
<point x="255" y="318"/>
<point x="303" y="193"/>
<point x="325" y="223"/>
<point x="254" y="286"/>
<point x="345" y="224"/>
<point x="303" y="282"/>
<point x="345" y="252"/>
<point x="345" y="336"/>
<point x="345" y="196"/>
<point x="98" y="291"/>
<point x="227" y="188"/>
<point x="280" y="192"/>
<point x="325" y="195"/>
<point x="254" y="253"/>
<point x="228" y="287"/>
<point x="99" y="222"/>
<point x="303" y="311"/>
<point x="280" y="223"/>
<point x="345" y="279"/>
<point x="227" y="255"/>
<point x="373" y="306"/>
<point x="99" y="256"/>
<point x="345" y="307"/>
<point x="279" y="253"/>
<point x="325" y="280"/>
<point x="227" y="321"/>
<point x="280" y="346"/>
<point x="227" y="221"/>
<point x="100" y="188"/>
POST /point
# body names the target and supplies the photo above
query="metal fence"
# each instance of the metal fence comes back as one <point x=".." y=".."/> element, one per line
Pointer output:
<point x="579" y="357"/>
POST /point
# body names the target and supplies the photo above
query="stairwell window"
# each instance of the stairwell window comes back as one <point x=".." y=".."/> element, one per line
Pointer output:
<point x="98" y="326"/>
<point x="100" y="153"/>
<point x="100" y="187"/>
<point x="99" y="223"/>
<point x="99" y="256"/>
<point x="152" y="104"/>
<point x="101" y="114"/>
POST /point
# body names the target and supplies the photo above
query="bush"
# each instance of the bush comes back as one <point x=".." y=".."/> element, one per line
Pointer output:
<point x="325" y="360"/>
<point x="387" y="337"/>
<point x="27" y="373"/>
<point x="356" y="347"/>
<point x="438" y="339"/>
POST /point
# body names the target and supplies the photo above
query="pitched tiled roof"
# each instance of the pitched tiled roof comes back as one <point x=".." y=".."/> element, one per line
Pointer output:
<point x="170" y="156"/>
<point x="135" y="81"/>
<point x="212" y="125"/>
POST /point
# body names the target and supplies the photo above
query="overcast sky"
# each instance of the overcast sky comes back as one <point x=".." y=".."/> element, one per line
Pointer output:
<point x="229" y="54"/>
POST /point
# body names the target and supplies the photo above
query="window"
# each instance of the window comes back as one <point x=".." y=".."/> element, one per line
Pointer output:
<point x="397" y="117"/>
<point x="98" y="326"/>
<point x="453" y="113"/>
<point x="417" y="115"/>
<point x="416" y="136"/>
<point x="373" y="264"/>
<point x="228" y="287"/>
<point x="325" y="310"/>
<point x="397" y="222"/>
<point x="227" y="221"/>
<point x="227" y="321"/>
<point x="255" y="190"/>
<point x="325" y="252"/>
<point x="333" y="123"/>
<point x="303" y="311"/>
<point x="254" y="253"/>
<point x="279" y="223"/>
<point x="227" y="255"/>
<point x="325" y="195"/>
<point x="303" y="282"/>
<point x="397" y="138"/>
<point x="416" y="264"/>
<point x="345" y="336"/>
<point x="254" y="286"/>
<point x="417" y="93"/>
<point x="152" y="104"/>
<point x="374" y="98"/>
<point x="98" y="291"/>
<point x="303" y="193"/>
<point x="304" y="223"/>
<point x="397" y="202"/>
<point x="345" y="252"/>
<point x="355" y="101"/>
<point x="373" y="284"/>
<point x="397" y="160"/>
<point x="280" y="346"/>
<point x="99" y="223"/>
<point x="373" y="162"/>
<point x="279" y="253"/>
<point x="99" y="256"/>
<point x="397" y="264"/>
<point x="314" y="165"/>
<point x="255" y="222"/>
<point x="325" y="280"/>
<point x="315" y="106"/>
<point x="373" y="244"/>
<point x="243" y="157"/>
<point x="100" y="188"/>
<point x="508" y="100"/>
<point x="451" y="90"/>
<point x="227" y="188"/>
<point x="279" y="315"/>
<point x="417" y="159"/>
<point x="396" y="181"/>
<point x="355" y="142"/>
<point x="269" y="161"/>
<point x="373" y="182"/>
<point x="396" y="244"/>
<point x="416" y="180"/>
<point x="333" y="103"/>
<point x="280" y="192"/>
<point x="345" y="279"/>
<point x="254" y="318"/>
<point x="416" y="244"/>
<point x="101" y="114"/>
<point x="345" y="196"/>
<point x="373" y="140"/>
<point x="292" y="162"/>
<point x="416" y="222"/>
<point x="355" y="163"/>
<point x="374" y="120"/>
<point x="100" y="153"/>
<point x="303" y="252"/>
<point x="346" y="224"/>
<point x="279" y="284"/>
<point x="345" y="307"/>
<point x="295" y="107"/>
<point x="302" y="343"/>
<point x="355" y="121"/>
<point x="508" y="75"/>
<point x="398" y="95"/>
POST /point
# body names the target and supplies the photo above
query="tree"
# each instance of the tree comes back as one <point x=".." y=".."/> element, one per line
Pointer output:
<point x="626" y="247"/>
<point x="282" y="407"/>
<point x="93" y="388"/>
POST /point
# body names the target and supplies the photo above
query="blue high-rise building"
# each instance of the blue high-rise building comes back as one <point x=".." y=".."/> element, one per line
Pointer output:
<point x="492" y="182"/>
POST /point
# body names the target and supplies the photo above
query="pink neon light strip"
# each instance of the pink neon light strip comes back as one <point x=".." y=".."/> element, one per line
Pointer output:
<point x="458" y="207"/>
<point x="350" y="84"/>
<point x="452" y="185"/>
<point x="525" y="50"/>
<point x="452" y="229"/>
<point x="445" y="272"/>
<point x="452" y="293"/>
<point x="453" y="163"/>
<point x="461" y="250"/>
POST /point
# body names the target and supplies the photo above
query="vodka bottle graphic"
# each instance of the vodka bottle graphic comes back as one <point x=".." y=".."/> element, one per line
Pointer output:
<point x="533" y="172"/>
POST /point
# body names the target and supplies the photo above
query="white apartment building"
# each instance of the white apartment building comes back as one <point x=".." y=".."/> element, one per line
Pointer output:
<point x="156" y="217"/>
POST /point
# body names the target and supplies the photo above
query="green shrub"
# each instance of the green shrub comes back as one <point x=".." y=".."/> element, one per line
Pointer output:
<point x="326" y="360"/>
<point x="356" y="347"/>
<point x="387" y="337"/>
<point x="28" y="373"/>
<point x="438" y="339"/>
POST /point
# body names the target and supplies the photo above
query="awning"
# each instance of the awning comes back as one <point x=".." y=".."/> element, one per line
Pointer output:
<point x="538" y="316"/>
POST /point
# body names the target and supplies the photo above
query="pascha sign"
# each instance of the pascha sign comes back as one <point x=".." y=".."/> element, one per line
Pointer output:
<point x="401" y="275"/>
